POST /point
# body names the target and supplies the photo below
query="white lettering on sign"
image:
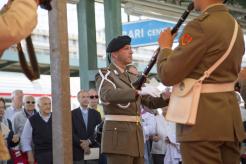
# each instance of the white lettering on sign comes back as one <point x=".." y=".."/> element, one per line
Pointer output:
<point x="154" y="32"/>
<point x="135" y="34"/>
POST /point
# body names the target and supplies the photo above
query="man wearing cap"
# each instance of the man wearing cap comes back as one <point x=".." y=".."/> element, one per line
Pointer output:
<point x="214" y="139"/>
<point x="122" y="138"/>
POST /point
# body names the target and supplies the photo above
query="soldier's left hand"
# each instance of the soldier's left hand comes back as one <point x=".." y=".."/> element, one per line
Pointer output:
<point x="166" y="39"/>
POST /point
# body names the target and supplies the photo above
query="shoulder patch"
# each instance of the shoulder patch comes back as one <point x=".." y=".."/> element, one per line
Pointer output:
<point x="185" y="39"/>
<point x="203" y="16"/>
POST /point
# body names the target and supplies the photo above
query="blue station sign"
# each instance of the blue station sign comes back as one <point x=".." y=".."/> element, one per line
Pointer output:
<point x="145" y="32"/>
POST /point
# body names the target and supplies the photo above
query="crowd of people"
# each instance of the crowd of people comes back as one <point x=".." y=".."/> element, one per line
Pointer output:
<point x="27" y="114"/>
<point x="26" y="126"/>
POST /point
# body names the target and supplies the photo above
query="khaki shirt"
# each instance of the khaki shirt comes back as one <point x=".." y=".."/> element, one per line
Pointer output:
<point x="123" y="137"/>
<point x="204" y="40"/>
<point x="17" y="22"/>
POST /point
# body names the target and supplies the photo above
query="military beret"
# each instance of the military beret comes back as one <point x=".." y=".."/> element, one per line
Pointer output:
<point x="117" y="43"/>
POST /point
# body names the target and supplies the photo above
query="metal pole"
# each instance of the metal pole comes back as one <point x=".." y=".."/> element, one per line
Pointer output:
<point x="59" y="59"/>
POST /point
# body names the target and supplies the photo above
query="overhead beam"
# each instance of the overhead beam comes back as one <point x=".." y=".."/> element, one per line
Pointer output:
<point x="172" y="12"/>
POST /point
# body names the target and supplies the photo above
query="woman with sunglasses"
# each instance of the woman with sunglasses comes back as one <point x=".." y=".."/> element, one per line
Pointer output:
<point x="6" y="130"/>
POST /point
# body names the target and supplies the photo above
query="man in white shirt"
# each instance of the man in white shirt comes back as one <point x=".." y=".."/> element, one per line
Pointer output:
<point x="38" y="130"/>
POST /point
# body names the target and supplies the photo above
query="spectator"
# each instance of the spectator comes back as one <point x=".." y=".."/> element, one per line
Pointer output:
<point x="16" y="105"/>
<point x="6" y="129"/>
<point x="38" y="129"/>
<point x="19" y="121"/>
<point x="94" y="102"/>
<point x="173" y="155"/>
<point x="20" y="118"/>
<point x="159" y="146"/>
<point x="84" y="121"/>
<point x="148" y="124"/>
<point x="17" y="20"/>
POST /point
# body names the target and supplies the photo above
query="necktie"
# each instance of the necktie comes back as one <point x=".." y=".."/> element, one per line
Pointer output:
<point x="85" y="117"/>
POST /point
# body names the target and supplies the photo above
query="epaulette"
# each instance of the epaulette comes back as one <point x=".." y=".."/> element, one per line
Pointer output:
<point x="104" y="70"/>
<point x="203" y="16"/>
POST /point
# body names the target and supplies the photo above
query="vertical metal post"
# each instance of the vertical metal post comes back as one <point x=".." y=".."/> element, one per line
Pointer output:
<point x="113" y="24"/>
<point x="87" y="42"/>
<point x="59" y="59"/>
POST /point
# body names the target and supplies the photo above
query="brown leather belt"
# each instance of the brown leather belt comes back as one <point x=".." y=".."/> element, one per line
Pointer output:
<point x="212" y="88"/>
<point x="125" y="118"/>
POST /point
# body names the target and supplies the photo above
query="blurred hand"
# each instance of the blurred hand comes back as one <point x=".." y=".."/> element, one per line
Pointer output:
<point x="15" y="138"/>
<point x="30" y="157"/>
<point x="84" y="144"/>
<point x="166" y="39"/>
<point x="87" y="150"/>
<point x="149" y="90"/>
<point x="167" y="140"/>
<point x="166" y="95"/>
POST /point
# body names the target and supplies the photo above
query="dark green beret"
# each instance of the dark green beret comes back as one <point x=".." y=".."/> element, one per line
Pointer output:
<point x="117" y="43"/>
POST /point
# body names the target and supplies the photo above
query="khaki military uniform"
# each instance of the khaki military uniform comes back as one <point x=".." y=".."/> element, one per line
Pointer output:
<point x="17" y="22"/>
<point x="123" y="140"/>
<point x="204" y="40"/>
